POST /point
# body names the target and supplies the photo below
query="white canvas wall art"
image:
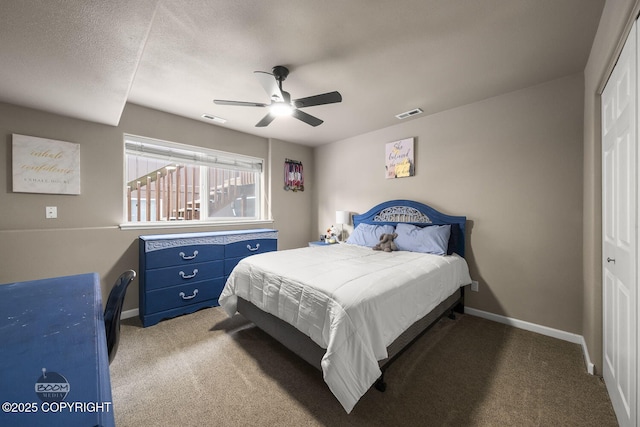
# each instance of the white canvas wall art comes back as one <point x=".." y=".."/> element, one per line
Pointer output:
<point x="43" y="165"/>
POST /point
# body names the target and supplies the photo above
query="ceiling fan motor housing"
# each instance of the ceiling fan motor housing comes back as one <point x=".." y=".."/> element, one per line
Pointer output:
<point x="280" y="72"/>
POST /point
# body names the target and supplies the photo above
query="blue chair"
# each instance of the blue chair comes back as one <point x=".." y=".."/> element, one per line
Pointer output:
<point x="113" y="310"/>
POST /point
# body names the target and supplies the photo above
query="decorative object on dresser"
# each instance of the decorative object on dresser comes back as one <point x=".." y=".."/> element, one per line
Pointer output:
<point x="182" y="273"/>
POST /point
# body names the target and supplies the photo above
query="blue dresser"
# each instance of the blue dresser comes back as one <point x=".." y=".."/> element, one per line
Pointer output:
<point x="182" y="273"/>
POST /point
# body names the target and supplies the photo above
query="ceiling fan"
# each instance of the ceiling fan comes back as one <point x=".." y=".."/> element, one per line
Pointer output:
<point x="281" y="103"/>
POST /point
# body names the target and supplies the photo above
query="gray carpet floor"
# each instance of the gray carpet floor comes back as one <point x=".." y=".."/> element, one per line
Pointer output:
<point x="208" y="369"/>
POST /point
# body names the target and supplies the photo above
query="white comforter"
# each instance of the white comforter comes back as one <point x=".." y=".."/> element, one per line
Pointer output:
<point x="349" y="299"/>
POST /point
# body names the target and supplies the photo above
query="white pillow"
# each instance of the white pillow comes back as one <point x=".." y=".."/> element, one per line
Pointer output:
<point x="432" y="239"/>
<point x="368" y="234"/>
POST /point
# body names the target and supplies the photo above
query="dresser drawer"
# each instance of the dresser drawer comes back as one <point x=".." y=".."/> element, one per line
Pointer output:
<point x="182" y="255"/>
<point x="230" y="263"/>
<point x="250" y="247"/>
<point x="183" y="295"/>
<point x="183" y="274"/>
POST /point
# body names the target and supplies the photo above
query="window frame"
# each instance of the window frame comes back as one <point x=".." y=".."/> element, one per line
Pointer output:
<point x="194" y="155"/>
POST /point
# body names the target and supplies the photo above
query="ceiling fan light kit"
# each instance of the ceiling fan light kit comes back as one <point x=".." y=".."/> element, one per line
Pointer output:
<point x="281" y="109"/>
<point x="281" y="103"/>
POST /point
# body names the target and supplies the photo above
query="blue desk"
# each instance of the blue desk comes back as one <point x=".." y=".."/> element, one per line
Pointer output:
<point x="54" y="366"/>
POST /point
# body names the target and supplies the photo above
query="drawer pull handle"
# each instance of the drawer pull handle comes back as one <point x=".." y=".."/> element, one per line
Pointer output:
<point x="184" y="256"/>
<point x="611" y="259"/>
<point x="254" y="249"/>
<point x="190" y="276"/>
<point x="183" y="296"/>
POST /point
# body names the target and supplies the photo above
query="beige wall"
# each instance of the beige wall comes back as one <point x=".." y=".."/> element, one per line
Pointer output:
<point x="85" y="237"/>
<point x="613" y="27"/>
<point x="513" y="165"/>
<point x="292" y="209"/>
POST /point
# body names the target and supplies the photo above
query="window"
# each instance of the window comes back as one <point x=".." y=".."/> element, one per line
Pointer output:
<point x="173" y="182"/>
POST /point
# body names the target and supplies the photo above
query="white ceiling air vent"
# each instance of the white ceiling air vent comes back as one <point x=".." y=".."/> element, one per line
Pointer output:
<point x="409" y="113"/>
<point x="214" y="118"/>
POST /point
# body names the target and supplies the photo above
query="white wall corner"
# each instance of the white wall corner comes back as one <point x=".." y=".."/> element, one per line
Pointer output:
<point x="532" y="327"/>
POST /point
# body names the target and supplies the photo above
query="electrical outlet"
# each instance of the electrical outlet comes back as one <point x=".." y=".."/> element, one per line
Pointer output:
<point x="51" y="212"/>
<point x="474" y="285"/>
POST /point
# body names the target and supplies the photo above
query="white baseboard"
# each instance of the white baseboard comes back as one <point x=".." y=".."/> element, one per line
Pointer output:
<point x="543" y="330"/>
<point x="520" y="324"/>
<point x="129" y="313"/>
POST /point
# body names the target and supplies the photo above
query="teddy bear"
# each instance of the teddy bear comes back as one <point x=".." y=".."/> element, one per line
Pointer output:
<point x="386" y="243"/>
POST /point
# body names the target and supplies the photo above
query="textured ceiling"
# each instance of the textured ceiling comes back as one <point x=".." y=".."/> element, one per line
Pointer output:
<point x="86" y="59"/>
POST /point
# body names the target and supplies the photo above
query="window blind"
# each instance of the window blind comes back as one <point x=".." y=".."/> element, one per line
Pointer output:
<point x="172" y="152"/>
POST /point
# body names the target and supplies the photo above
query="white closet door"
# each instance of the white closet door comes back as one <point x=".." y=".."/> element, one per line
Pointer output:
<point x="619" y="220"/>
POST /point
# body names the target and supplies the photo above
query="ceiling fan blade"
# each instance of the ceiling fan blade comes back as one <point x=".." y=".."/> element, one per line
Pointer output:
<point x="307" y="118"/>
<point x="270" y="85"/>
<point x="265" y="120"/>
<point x="325" y="98"/>
<point x="239" y="103"/>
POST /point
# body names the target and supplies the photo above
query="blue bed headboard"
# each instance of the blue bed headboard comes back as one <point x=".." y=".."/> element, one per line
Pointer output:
<point x="416" y="213"/>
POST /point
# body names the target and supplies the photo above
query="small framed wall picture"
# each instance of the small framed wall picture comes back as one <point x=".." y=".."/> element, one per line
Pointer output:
<point x="399" y="159"/>
<point x="45" y="165"/>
